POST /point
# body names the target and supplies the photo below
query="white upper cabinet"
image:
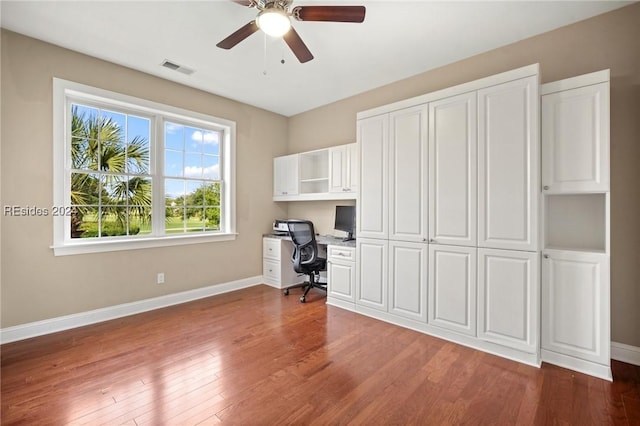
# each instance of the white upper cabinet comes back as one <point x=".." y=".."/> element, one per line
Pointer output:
<point x="285" y="175"/>
<point x="343" y="168"/>
<point x="453" y="170"/>
<point x="508" y="298"/>
<point x="508" y="176"/>
<point x="575" y="134"/>
<point x="373" y="138"/>
<point x="408" y="174"/>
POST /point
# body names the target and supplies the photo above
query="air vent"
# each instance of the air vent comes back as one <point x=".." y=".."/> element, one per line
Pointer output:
<point x="175" y="67"/>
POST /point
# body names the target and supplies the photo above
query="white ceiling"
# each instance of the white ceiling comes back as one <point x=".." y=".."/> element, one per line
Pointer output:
<point x="398" y="39"/>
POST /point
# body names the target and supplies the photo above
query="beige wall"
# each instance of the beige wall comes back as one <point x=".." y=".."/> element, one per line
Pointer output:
<point x="36" y="285"/>
<point x="607" y="41"/>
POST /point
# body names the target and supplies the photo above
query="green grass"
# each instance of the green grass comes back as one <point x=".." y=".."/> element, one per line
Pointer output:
<point x="173" y="225"/>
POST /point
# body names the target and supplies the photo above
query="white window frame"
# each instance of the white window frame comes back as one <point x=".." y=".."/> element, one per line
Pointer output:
<point x="67" y="92"/>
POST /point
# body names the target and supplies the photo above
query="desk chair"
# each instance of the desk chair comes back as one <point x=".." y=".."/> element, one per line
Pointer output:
<point x="305" y="256"/>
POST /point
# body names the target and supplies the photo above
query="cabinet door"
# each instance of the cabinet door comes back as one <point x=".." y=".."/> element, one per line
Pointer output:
<point x="372" y="278"/>
<point x="408" y="174"/>
<point x="508" y="175"/>
<point x="452" y="288"/>
<point x="508" y="305"/>
<point x="341" y="273"/>
<point x="575" y="139"/>
<point x="575" y="305"/>
<point x="338" y="163"/>
<point x="352" y="172"/>
<point x="285" y="175"/>
<point x="453" y="170"/>
<point x="408" y="279"/>
<point x="373" y="138"/>
<point x="341" y="278"/>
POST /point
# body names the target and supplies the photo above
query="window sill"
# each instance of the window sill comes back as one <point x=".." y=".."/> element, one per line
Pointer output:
<point x="83" y="247"/>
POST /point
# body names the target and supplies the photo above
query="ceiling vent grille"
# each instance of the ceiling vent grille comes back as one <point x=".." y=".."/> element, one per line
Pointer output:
<point x="175" y="67"/>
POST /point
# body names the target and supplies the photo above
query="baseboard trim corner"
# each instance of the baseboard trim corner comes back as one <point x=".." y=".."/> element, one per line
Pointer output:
<point x="625" y="353"/>
<point x="54" y="325"/>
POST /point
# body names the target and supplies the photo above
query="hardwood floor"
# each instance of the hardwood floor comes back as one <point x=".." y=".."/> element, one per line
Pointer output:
<point x="257" y="357"/>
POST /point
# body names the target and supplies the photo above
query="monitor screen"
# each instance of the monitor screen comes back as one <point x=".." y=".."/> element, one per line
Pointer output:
<point x="346" y="220"/>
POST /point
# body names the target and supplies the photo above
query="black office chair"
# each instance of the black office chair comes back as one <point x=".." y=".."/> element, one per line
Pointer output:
<point x="305" y="256"/>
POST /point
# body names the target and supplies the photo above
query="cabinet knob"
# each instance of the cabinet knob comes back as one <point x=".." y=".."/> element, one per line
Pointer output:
<point x="546" y="256"/>
<point x="546" y="187"/>
<point x="431" y="240"/>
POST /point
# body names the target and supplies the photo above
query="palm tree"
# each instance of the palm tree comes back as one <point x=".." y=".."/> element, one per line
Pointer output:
<point x="101" y="156"/>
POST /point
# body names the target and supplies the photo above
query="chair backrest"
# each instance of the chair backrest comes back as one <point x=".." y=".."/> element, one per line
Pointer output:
<point x="304" y="240"/>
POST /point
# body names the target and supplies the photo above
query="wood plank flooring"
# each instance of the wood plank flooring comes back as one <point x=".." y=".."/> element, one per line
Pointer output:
<point x="255" y="357"/>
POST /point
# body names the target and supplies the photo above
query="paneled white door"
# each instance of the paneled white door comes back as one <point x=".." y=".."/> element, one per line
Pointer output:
<point x="453" y="170"/>
<point x="408" y="174"/>
<point x="373" y="202"/>
<point x="372" y="273"/>
<point x="508" y="175"/>
<point x="508" y="301"/>
<point x="285" y="175"/>
<point x="575" y="304"/>
<point x="452" y="288"/>
<point x="408" y="279"/>
<point x="575" y="139"/>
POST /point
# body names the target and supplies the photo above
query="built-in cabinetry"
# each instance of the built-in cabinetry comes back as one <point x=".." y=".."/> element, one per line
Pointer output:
<point x="324" y="174"/>
<point x="575" y="323"/>
<point x="449" y="190"/>
<point x="276" y="263"/>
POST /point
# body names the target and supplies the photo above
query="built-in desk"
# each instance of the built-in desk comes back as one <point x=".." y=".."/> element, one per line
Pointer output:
<point x="277" y="269"/>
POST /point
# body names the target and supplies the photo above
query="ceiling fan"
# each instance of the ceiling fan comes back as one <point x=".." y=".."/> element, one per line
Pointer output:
<point x="274" y="18"/>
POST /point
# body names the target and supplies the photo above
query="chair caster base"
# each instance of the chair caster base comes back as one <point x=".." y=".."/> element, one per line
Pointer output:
<point x="286" y="291"/>
<point x="302" y="299"/>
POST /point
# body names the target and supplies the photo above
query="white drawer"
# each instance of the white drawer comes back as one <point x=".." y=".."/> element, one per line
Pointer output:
<point x="271" y="269"/>
<point x="271" y="248"/>
<point x="341" y="253"/>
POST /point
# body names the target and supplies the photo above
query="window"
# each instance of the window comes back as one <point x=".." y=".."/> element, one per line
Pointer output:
<point x="130" y="173"/>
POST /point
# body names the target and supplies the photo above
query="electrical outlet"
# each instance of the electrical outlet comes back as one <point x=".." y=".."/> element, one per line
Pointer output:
<point x="160" y="277"/>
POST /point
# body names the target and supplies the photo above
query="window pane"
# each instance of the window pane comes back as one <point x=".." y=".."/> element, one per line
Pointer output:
<point x="138" y="225"/>
<point x="193" y="165"/>
<point x="212" y="195"/>
<point x="173" y="136"/>
<point x="113" y="221"/>
<point x="139" y="198"/>
<point x="212" y="219"/>
<point x="211" y="167"/>
<point x="114" y="190"/>
<point x="173" y="163"/>
<point x="175" y="224"/>
<point x="114" y="120"/>
<point x="84" y="222"/>
<point x="193" y="139"/>
<point x="138" y="136"/>
<point x="81" y="119"/>
<point x="211" y="143"/>
<point x="85" y="189"/>
<point x="84" y="153"/>
<point x="174" y="192"/>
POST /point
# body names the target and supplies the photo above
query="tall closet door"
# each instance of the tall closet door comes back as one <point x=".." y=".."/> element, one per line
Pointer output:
<point x="373" y="136"/>
<point x="508" y="176"/>
<point x="408" y="279"/>
<point x="453" y="170"/>
<point x="408" y="174"/>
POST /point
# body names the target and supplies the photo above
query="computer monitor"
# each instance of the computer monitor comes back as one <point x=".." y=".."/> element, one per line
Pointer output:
<point x="346" y="220"/>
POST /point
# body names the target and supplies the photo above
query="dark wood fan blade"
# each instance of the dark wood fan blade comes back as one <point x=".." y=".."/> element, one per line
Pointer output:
<point x="238" y="36"/>
<point x="298" y="47"/>
<point x="329" y="13"/>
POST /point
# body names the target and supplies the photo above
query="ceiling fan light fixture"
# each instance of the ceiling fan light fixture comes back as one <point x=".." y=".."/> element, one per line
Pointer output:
<point x="274" y="22"/>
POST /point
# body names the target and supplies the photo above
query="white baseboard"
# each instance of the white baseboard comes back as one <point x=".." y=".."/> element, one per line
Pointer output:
<point x="53" y="325"/>
<point x="625" y="353"/>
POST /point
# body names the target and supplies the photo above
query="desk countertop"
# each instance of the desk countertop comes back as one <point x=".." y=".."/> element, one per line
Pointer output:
<point x="320" y="239"/>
